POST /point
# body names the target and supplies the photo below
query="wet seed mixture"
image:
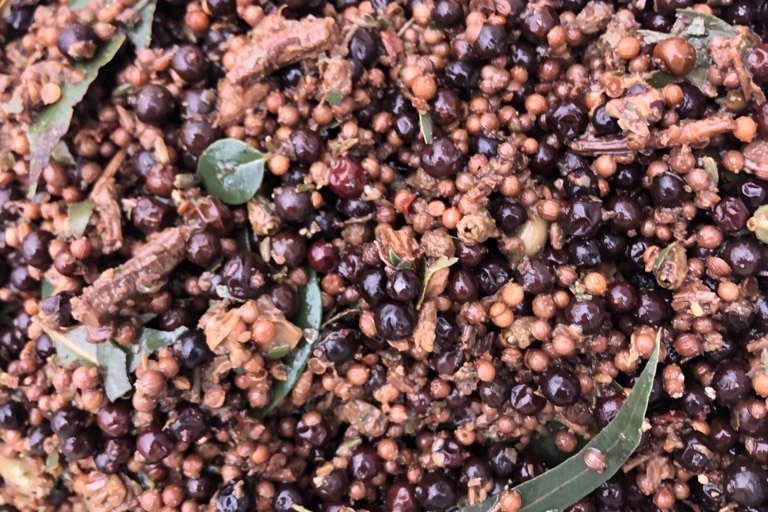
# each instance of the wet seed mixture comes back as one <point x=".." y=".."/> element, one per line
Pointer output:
<point x="336" y="256"/>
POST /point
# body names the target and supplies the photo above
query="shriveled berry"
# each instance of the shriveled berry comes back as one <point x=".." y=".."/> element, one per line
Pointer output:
<point x="730" y="214"/>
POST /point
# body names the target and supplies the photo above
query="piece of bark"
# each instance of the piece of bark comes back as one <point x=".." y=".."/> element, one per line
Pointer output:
<point x="692" y="133"/>
<point x="276" y="42"/>
<point x="104" y="196"/>
<point x="101" y="302"/>
<point x="234" y="101"/>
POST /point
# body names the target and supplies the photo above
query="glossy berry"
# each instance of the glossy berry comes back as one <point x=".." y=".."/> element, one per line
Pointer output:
<point x="462" y="286"/>
<point x="401" y="496"/>
<point x="34" y="248"/>
<point x="190" y="63"/>
<point x="568" y="119"/>
<point x="560" y="386"/>
<point x="744" y="256"/>
<point x="235" y="496"/>
<point x="77" y="42"/>
<point x="537" y="22"/>
<point x="154" y="105"/>
<point x="197" y="134"/>
<point x="190" y="425"/>
<point x="607" y="407"/>
<point x="347" y="179"/>
<point x="114" y="419"/>
<point x="447" y="13"/>
<point x="586" y="314"/>
<point x="730" y="214"/>
<point x="582" y="217"/>
<point x="490" y="41"/>
<point x="403" y="285"/>
<point x="191" y="349"/>
<point x="68" y="421"/>
<point x="524" y="400"/>
<point x="323" y="257"/>
<point x="731" y="382"/>
<point x="364" y="463"/>
<point x="436" y="492"/>
<point x="373" y="286"/>
<point x="364" y="48"/>
<point x="395" y="321"/>
<point x="203" y="248"/>
<point x="441" y="158"/>
<point x="292" y="205"/>
<point x="308" y="146"/>
<point x="153" y="443"/>
<point x="757" y="63"/>
<point x="508" y="215"/>
<point x="13" y="415"/>
<point x="745" y="483"/>
<point x="286" y="496"/>
<point x="151" y="215"/>
<point x="668" y="189"/>
<point x="245" y="275"/>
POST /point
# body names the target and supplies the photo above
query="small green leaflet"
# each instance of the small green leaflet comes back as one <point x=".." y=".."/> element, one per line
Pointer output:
<point x="79" y="214"/>
<point x="112" y="365"/>
<point x="440" y="263"/>
<point x="567" y="483"/>
<point x="53" y="123"/>
<point x="425" y="125"/>
<point x="333" y="98"/>
<point x="231" y="170"/>
<point x="308" y="318"/>
<point x="46" y="289"/>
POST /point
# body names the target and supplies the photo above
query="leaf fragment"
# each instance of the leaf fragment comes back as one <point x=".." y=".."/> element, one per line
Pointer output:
<point x="309" y="317"/>
<point x="440" y="263"/>
<point x="231" y="170"/>
<point x="78" y="215"/>
<point x="149" y="342"/>
<point x="567" y="483"/>
<point x="53" y="123"/>
<point x="425" y="126"/>
<point x="333" y="98"/>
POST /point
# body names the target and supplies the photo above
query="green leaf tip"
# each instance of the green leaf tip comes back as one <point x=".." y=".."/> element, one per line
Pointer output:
<point x="567" y="483"/>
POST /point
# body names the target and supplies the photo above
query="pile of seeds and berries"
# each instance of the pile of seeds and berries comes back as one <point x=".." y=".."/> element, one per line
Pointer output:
<point x="370" y="255"/>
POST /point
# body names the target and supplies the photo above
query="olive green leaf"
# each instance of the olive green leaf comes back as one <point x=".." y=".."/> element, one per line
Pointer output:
<point x="309" y="317"/>
<point x="53" y="123"/>
<point x="231" y="170"/>
<point x="140" y="33"/>
<point x="112" y="365"/>
<point x="440" y="263"/>
<point x="425" y="126"/>
<point x="79" y="214"/>
<point x="567" y="483"/>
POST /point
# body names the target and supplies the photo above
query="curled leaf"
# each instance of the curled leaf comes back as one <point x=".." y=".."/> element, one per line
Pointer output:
<point x="231" y="170"/>
<point x="53" y="123"/>
<point x="309" y="317"/>
<point x="567" y="483"/>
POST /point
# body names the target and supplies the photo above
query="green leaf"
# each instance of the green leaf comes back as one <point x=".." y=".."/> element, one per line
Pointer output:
<point x="278" y="352"/>
<point x="112" y="366"/>
<point x="333" y="98"/>
<point x="141" y="33"/>
<point x="562" y="486"/>
<point x="79" y="214"/>
<point x="72" y="346"/>
<point x="53" y="123"/>
<point x="308" y="318"/>
<point x="425" y="126"/>
<point x="76" y="5"/>
<point x="231" y="170"/>
<point x="439" y="263"/>
<point x="149" y="342"/>
<point x="46" y="288"/>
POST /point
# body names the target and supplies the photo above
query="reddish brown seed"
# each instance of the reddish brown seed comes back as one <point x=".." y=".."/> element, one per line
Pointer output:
<point x="675" y="56"/>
